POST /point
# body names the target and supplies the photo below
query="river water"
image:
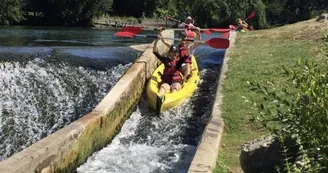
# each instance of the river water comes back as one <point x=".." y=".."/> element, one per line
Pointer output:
<point x="50" y="77"/>
<point x="167" y="143"/>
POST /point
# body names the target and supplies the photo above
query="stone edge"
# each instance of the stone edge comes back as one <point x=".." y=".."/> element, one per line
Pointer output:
<point x="207" y="151"/>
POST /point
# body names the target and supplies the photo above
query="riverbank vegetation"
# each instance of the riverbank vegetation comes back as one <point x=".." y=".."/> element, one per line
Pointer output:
<point x="286" y="67"/>
<point x="207" y="13"/>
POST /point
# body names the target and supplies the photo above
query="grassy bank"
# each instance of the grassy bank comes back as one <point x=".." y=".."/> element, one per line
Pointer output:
<point x="259" y="56"/>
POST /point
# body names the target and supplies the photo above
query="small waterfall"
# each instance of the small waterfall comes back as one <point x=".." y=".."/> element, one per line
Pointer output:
<point x="46" y="92"/>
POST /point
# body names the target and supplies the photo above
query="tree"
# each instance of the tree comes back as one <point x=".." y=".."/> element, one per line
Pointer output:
<point x="78" y="12"/>
<point x="11" y="11"/>
<point x="206" y="12"/>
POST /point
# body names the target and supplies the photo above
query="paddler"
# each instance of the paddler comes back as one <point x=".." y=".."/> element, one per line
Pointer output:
<point x="191" y="46"/>
<point x="171" y="77"/>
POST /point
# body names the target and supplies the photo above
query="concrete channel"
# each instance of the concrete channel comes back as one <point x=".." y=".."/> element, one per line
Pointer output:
<point x="207" y="151"/>
<point x="66" y="149"/>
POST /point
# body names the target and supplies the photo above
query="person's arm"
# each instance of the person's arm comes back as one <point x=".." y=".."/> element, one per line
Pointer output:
<point x="246" y="24"/>
<point x="155" y="51"/>
<point x="165" y="42"/>
<point x="240" y="25"/>
<point x="155" y="46"/>
<point x="182" y="25"/>
<point x="193" y="27"/>
<point x="199" y="37"/>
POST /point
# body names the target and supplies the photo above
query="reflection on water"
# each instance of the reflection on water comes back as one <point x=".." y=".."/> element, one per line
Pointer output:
<point x="63" y="36"/>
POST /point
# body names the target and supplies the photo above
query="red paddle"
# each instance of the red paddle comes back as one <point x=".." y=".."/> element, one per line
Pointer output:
<point x="205" y="31"/>
<point x="225" y="35"/>
<point x="138" y="29"/>
<point x="220" y="29"/>
<point x="232" y="27"/>
<point x="251" y="15"/>
<point x="219" y="43"/>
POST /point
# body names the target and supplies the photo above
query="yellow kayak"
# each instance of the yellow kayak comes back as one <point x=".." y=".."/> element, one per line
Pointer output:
<point x="171" y="100"/>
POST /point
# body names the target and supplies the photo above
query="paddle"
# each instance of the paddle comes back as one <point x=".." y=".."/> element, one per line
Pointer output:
<point x="232" y="27"/>
<point x="219" y="43"/>
<point x="172" y="19"/>
<point x="205" y="31"/>
<point x="138" y="29"/>
<point x="251" y="15"/>
<point x="225" y="35"/>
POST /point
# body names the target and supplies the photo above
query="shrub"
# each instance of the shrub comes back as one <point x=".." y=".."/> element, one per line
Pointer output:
<point x="296" y="112"/>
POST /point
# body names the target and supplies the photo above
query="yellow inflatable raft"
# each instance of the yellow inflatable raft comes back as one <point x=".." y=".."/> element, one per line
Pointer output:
<point x="171" y="100"/>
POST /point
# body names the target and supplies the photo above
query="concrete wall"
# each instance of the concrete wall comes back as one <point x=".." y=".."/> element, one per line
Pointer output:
<point x="69" y="147"/>
<point x="207" y="151"/>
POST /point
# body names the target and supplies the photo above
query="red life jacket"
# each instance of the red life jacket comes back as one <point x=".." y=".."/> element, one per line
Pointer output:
<point x="182" y="51"/>
<point x="171" y="74"/>
<point x="183" y="54"/>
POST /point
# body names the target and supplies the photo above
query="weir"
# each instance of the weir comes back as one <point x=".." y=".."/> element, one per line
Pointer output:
<point x="70" y="146"/>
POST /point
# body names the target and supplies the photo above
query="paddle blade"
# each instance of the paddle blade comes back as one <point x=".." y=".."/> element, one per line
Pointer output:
<point x="232" y="27"/>
<point x="124" y="34"/>
<point x="206" y="31"/>
<point x="251" y="15"/>
<point x="220" y="29"/>
<point x="132" y="29"/>
<point x="225" y="35"/>
<point x="218" y="43"/>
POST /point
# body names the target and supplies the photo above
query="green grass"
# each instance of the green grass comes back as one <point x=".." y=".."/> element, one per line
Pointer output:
<point x="259" y="56"/>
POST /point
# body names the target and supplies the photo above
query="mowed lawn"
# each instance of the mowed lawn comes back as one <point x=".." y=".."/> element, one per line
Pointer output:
<point x="259" y="56"/>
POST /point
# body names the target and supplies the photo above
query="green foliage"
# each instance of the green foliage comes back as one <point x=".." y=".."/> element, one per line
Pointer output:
<point x="221" y="168"/>
<point x="210" y="13"/>
<point x="206" y="12"/>
<point x="260" y="11"/>
<point x="290" y="11"/>
<point x="11" y="11"/>
<point x="70" y="11"/>
<point x="297" y="112"/>
<point x="75" y="12"/>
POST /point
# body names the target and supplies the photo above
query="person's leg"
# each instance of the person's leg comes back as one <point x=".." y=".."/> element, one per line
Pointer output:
<point x="185" y="70"/>
<point x="163" y="88"/>
<point x="160" y="99"/>
<point x="176" y="86"/>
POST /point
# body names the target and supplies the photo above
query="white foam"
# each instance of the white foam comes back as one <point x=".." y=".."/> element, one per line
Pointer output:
<point x="151" y="143"/>
<point x="38" y="98"/>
